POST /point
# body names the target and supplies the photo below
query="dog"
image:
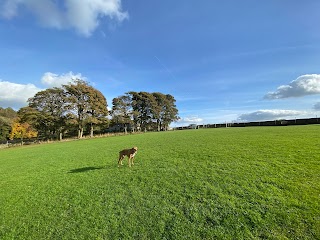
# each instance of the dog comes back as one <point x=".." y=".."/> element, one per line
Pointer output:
<point x="130" y="153"/>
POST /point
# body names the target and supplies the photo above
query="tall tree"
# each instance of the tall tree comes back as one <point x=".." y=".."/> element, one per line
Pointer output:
<point x="121" y="112"/>
<point x="86" y="103"/>
<point x="143" y="105"/>
<point x="51" y="103"/>
<point x="77" y="95"/>
<point x="159" y="109"/>
<point x="170" y="112"/>
<point x="165" y="110"/>
<point x="97" y="108"/>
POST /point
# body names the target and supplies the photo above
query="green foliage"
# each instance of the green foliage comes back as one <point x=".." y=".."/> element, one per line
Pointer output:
<point x="55" y="111"/>
<point x="234" y="183"/>
<point x="50" y="105"/>
<point x="8" y="113"/>
<point x="42" y="121"/>
<point x="5" y="128"/>
<point x="121" y="110"/>
<point x="148" y="111"/>
<point x="6" y="117"/>
<point x="87" y="104"/>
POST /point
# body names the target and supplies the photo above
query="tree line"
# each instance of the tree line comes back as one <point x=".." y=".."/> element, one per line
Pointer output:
<point x="77" y="108"/>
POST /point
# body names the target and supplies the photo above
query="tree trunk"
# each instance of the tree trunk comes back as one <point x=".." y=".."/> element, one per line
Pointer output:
<point x="91" y="130"/>
<point x="80" y="132"/>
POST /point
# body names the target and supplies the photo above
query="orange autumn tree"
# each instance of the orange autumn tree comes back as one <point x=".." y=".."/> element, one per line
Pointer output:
<point x="22" y="131"/>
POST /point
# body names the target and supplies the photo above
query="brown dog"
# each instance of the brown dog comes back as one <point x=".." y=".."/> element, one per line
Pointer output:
<point x="130" y="153"/>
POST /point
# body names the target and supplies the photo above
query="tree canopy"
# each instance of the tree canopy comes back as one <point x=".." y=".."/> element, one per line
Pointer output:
<point x="87" y="104"/>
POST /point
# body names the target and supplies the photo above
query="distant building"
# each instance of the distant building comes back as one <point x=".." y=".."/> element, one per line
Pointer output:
<point x="193" y="126"/>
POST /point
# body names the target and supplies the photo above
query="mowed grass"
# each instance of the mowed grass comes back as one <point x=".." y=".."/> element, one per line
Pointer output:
<point x="234" y="183"/>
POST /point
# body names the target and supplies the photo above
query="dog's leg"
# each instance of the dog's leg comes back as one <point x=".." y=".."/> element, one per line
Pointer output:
<point x="129" y="161"/>
<point x="120" y="160"/>
<point x="132" y="158"/>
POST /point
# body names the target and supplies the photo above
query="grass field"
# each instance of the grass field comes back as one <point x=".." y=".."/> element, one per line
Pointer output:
<point x="234" y="183"/>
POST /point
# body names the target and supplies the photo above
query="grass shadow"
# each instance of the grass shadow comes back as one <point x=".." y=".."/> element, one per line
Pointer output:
<point x="85" y="169"/>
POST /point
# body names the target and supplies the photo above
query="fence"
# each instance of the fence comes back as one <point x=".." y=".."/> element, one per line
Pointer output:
<point x="18" y="142"/>
<point x="304" y="121"/>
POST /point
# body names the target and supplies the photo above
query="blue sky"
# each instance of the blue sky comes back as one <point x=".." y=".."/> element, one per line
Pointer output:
<point x="232" y="60"/>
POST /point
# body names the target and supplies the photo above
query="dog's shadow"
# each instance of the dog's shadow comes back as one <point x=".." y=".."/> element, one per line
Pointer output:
<point x="85" y="169"/>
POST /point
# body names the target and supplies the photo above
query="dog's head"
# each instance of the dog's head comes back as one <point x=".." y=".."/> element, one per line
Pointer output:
<point x="135" y="149"/>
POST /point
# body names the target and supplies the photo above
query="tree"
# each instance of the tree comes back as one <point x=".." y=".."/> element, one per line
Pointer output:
<point x="86" y="103"/>
<point x="97" y="108"/>
<point x="51" y="104"/>
<point x="22" y="131"/>
<point x="5" y="127"/>
<point x="77" y="95"/>
<point x="7" y="115"/>
<point x="143" y="105"/>
<point x="159" y="109"/>
<point x="170" y="112"/>
<point x="29" y="115"/>
<point x="121" y="112"/>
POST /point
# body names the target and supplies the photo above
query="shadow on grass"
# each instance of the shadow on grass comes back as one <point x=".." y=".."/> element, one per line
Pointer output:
<point x="85" y="169"/>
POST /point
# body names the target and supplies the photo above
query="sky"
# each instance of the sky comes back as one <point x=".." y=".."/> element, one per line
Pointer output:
<point x="223" y="61"/>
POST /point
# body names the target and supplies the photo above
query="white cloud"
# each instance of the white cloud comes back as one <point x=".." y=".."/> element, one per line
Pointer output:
<point x="304" y="85"/>
<point x="54" y="80"/>
<point x="186" y="121"/>
<point x="16" y="95"/>
<point x="317" y="106"/>
<point x="192" y="119"/>
<point x="189" y="120"/>
<point x="84" y="15"/>
<point x="265" y="115"/>
<point x="9" y="9"/>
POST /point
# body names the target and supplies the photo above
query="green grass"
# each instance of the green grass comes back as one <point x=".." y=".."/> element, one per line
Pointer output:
<point x="234" y="183"/>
